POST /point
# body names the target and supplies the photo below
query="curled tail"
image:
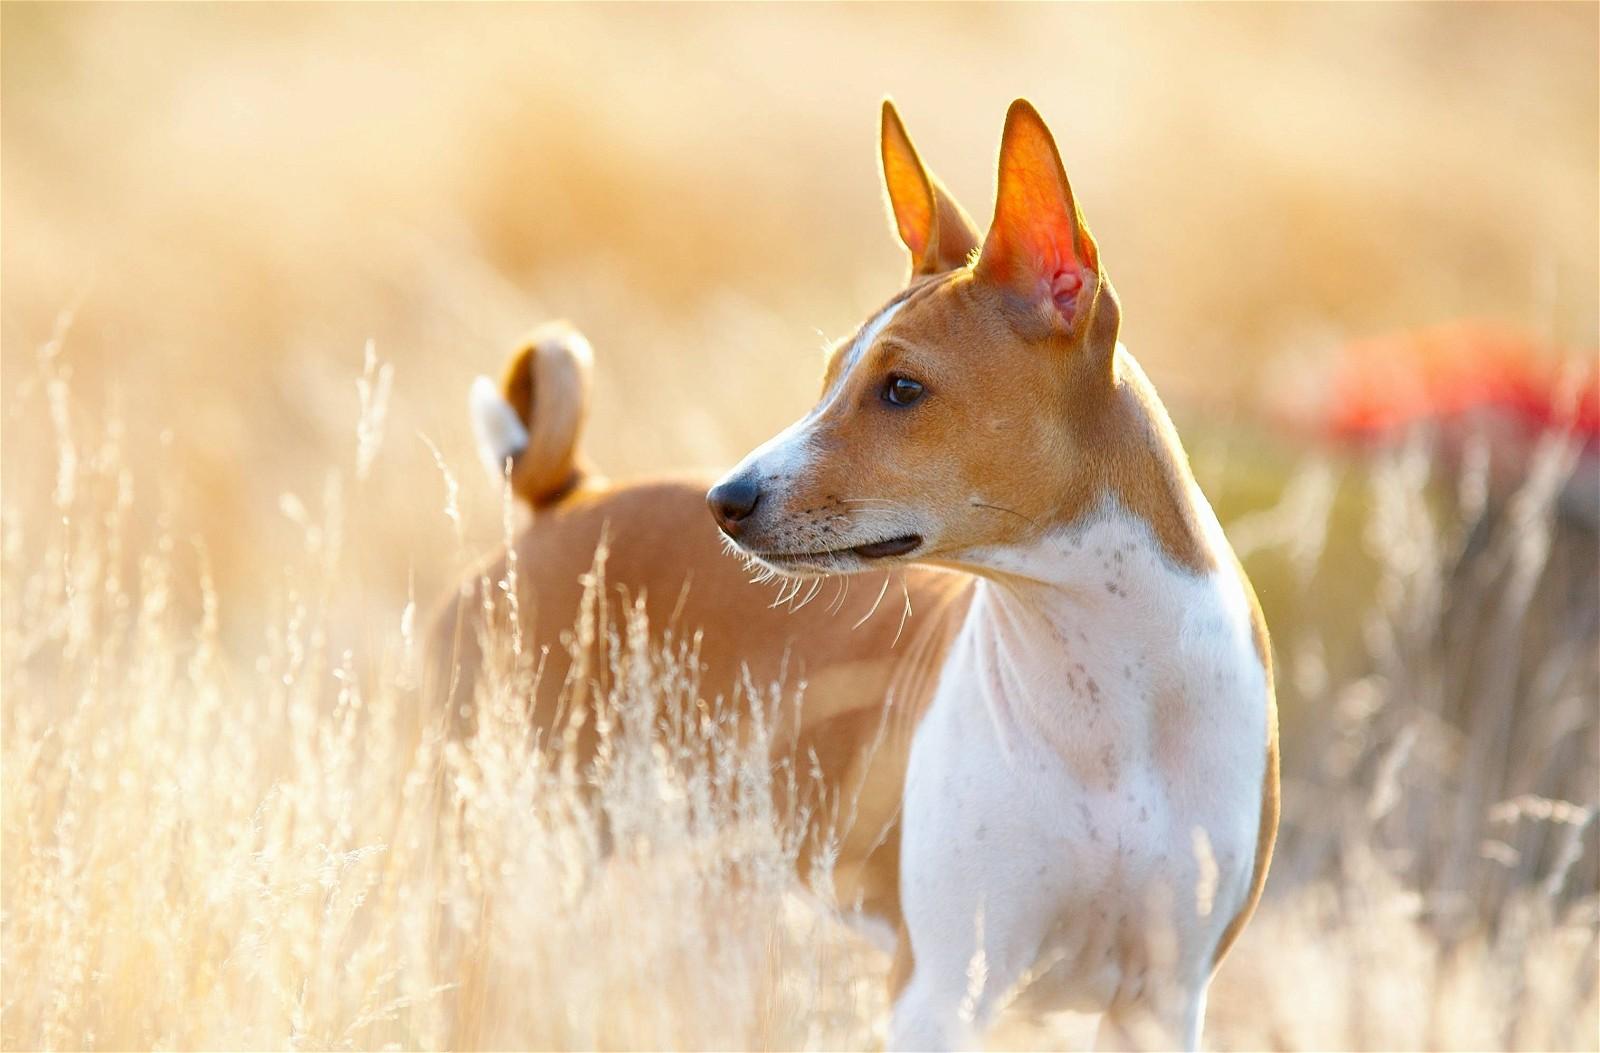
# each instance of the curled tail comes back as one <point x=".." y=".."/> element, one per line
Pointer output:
<point x="534" y="416"/>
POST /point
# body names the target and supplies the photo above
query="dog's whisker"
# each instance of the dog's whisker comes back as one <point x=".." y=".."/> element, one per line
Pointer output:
<point x="905" y="615"/>
<point x="1008" y="511"/>
<point x="816" y="587"/>
<point x="874" y="608"/>
<point x="837" y="604"/>
<point x="786" y="592"/>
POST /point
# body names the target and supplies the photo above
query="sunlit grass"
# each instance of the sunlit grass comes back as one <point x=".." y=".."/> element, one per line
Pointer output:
<point x="282" y="851"/>
<point x="276" y="845"/>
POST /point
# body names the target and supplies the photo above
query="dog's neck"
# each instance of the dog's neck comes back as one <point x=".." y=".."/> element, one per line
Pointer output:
<point x="1074" y="636"/>
<point x="1108" y="569"/>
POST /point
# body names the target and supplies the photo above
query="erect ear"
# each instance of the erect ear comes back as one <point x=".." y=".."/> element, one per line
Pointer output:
<point x="938" y="232"/>
<point x="1038" y="246"/>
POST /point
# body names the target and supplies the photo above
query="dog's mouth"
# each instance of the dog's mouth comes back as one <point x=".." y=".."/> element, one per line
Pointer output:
<point x="888" y="548"/>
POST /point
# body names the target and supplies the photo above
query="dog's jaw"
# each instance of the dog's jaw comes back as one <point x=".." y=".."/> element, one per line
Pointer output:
<point x="840" y="560"/>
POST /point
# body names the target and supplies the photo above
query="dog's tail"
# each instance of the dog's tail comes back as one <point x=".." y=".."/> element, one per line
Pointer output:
<point x="534" y="416"/>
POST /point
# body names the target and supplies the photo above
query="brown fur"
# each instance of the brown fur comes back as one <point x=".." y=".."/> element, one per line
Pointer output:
<point x="663" y="547"/>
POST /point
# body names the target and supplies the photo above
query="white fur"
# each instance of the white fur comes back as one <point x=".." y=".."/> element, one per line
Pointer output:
<point x="500" y="433"/>
<point x="864" y="339"/>
<point x="782" y="458"/>
<point x="1100" y="714"/>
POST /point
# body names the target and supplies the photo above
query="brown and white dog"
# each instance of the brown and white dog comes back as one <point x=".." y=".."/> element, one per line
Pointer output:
<point x="1076" y="796"/>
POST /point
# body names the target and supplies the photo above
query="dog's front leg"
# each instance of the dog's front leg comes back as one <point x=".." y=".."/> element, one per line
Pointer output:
<point x="976" y="882"/>
<point x="961" y="973"/>
<point x="1158" y="1021"/>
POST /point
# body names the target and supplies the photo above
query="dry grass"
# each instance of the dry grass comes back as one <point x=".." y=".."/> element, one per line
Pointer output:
<point x="208" y="855"/>
<point x="219" y="828"/>
<point x="213" y="851"/>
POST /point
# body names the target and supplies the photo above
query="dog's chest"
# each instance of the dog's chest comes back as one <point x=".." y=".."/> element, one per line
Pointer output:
<point x="1094" y="762"/>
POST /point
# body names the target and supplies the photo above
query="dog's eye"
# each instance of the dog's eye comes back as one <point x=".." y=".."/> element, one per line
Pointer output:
<point x="901" y="391"/>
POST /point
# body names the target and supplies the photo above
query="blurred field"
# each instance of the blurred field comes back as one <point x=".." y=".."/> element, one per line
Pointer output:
<point x="209" y="212"/>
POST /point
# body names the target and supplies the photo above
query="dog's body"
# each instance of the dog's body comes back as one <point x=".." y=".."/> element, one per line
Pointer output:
<point x="852" y="650"/>
<point x="1062" y="766"/>
<point x="1087" y="718"/>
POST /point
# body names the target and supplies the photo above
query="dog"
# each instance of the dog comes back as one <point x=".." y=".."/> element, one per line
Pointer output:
<point x="1063" y="765"/>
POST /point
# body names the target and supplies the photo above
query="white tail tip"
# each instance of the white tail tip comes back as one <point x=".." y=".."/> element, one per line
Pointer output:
<point x="500" y="433"/>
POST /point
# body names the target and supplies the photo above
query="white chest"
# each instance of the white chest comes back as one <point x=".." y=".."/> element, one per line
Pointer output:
<point x="1088" y="777"/>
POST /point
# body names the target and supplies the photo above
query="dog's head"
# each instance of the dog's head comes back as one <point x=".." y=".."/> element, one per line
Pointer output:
<point x="956" y="419"/>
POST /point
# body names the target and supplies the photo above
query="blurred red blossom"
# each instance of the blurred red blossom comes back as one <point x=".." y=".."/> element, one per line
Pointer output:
<point x="1458" y="372"/>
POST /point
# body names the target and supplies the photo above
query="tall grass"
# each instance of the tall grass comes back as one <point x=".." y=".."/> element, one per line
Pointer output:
<point x="283" y="852"/>
<point x="279" y="848"/>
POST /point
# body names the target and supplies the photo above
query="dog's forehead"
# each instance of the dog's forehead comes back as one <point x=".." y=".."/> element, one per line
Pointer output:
<point x="847" y="353"/>
<point x="903" y="308"/>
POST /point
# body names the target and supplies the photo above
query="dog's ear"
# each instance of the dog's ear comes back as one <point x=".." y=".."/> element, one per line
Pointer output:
<point x="1039" y="247"/>
<point x="938" y="233"/>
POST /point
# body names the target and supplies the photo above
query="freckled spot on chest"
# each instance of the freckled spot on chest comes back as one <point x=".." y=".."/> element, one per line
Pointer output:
<point x="1110" y="764"/>
<point x="1090" y="829"/>
<point x="1172" y="728"/>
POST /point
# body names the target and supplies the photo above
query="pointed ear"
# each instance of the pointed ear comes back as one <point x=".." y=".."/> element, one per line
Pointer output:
<point x="1038" y="246"/>
<point x="933" y="227"/>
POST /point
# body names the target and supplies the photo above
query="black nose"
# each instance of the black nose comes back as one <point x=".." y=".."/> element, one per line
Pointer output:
<point x="732" y="501"/>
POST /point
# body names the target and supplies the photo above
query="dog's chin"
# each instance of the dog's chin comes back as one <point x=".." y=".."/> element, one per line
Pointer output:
<point x="851" y="559"/>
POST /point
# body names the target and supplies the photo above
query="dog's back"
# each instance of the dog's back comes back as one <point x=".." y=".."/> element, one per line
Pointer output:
<point x="867" y="666"/>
